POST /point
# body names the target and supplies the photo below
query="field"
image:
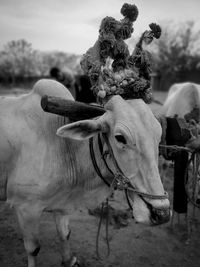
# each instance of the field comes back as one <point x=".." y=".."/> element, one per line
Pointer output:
<point x="132" y="245"/>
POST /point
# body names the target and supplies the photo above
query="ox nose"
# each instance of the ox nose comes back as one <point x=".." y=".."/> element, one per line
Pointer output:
<point x="159" y="216"/>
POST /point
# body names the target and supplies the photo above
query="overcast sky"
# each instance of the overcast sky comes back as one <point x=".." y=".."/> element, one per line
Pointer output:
<point x="72" y="25"/>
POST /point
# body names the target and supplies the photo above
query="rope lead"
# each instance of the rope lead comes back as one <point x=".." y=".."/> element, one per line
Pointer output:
<point x="104" y="204"/>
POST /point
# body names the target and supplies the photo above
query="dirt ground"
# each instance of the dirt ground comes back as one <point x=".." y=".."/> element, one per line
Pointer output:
<point x="131" y="244"/>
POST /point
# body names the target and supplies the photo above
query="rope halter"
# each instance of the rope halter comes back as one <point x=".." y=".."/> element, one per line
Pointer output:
<point x="120" y="181"/>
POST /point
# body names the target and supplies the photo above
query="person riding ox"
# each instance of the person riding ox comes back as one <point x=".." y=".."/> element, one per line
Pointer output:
<point x="60" y="162"/>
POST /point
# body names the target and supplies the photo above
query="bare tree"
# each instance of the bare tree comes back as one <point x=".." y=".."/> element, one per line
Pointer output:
<point x="176" y="54"/>
<point x="178" y="49"/>
<point x="17" y="59"/>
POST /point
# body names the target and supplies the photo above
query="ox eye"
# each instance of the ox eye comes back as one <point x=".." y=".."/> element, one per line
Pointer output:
<point x="121" y="139"/>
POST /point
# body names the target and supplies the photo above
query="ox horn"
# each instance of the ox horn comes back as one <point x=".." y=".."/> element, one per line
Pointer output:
<point x="74" y="110"/>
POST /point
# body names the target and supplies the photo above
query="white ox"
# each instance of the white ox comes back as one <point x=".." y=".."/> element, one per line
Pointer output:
<point x="182" y="98"/>
<point x="47" y="172"/>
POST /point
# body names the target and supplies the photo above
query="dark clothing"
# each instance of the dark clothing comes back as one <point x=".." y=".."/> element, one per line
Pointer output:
<point x="83" y="89"/>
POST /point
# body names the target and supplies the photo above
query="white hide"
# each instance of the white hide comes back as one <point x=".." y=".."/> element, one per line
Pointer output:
<point x="47" y="172"/>
<point x="182" y="98"/>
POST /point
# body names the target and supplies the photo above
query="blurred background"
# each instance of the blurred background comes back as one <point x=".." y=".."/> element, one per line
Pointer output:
<point x="46" y="38"/>
<point x="41" y="34"/>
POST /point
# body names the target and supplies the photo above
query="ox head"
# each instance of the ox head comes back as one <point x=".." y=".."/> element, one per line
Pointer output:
<point x="134" y="134"/>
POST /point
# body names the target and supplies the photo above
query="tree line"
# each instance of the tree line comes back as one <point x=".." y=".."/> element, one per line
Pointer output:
<point x="175" y="54"/>
<point x="18" y="59"/>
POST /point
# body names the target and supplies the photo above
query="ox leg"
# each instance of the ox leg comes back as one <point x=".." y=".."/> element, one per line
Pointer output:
<point x="62" y="225"/>
<point x="28" y="217"/>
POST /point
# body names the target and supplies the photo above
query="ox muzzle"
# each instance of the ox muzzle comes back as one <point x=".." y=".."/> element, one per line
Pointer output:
<point x="157" y="215"/>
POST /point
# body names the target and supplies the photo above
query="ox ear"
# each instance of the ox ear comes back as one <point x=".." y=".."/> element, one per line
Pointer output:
<point x="80" y="130"/>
